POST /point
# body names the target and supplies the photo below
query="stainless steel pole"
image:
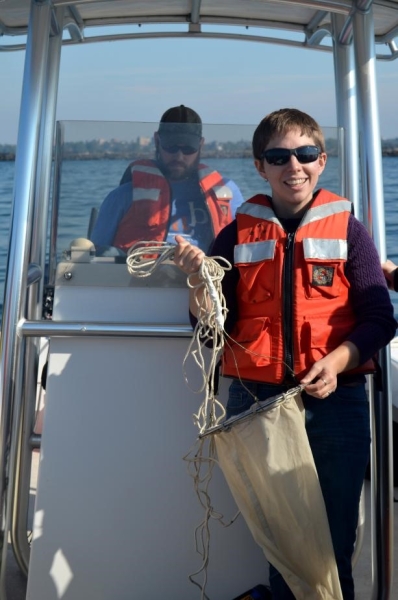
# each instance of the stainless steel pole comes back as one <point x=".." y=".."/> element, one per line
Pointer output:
<point x="373" y="206"/>
<point x="21" y="230"/>
<point x="21" y="451"/>
<point x="347" y="116"/>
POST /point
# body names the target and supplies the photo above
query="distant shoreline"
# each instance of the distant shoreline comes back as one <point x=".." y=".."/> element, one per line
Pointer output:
<point x="114" y="149"/>
<point x="11" y="157"/>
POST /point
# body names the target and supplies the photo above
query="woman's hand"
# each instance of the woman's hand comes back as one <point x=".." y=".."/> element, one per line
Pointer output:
<point x="187" y="257"/>
<point x="321" y="379"/>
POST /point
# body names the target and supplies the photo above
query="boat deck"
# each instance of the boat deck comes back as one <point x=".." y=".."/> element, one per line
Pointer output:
<point x="16" y="582"/>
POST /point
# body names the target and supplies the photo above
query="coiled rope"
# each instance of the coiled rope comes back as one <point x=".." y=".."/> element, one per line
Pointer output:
<point x="142" y="260"/>
<point x="144" y="257"/>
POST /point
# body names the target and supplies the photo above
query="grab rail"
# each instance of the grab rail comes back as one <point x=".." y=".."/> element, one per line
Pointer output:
<point x="66" y="329"/>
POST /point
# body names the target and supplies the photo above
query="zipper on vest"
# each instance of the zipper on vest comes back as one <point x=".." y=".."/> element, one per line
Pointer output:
<point x="287" y="308"/>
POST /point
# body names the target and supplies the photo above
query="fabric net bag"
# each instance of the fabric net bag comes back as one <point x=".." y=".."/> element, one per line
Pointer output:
<point x="267" y="461"/>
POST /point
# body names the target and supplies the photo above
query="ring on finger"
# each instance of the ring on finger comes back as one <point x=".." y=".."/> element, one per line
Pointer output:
<point x="324" y="381"/>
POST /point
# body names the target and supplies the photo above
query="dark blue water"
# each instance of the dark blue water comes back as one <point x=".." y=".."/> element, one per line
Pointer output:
<point x="85" y="184"/>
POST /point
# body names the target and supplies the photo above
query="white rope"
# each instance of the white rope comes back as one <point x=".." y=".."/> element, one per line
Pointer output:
<point x="142" y="260"/>
<point x="144" y="257"/>
<point x="209" y="331"/>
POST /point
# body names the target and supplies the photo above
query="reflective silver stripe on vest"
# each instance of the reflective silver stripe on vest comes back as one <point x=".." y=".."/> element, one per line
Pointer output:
<point x="326" y="210"/>
<point x="147" y="169"/>
<point x="321" y="249"/>
<point x="254" y="252"/>
<point x="223" y="192"/>
<point x="258" y="211"/>
<point x="145" y="194"/>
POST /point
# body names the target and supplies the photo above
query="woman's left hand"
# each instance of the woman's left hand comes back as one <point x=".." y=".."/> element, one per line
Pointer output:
<point x="321" y="379"/>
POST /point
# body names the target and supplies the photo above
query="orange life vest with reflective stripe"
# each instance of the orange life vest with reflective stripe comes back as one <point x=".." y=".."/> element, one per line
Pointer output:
<point x="293" y="296"/>
<point x="148" y="217"/>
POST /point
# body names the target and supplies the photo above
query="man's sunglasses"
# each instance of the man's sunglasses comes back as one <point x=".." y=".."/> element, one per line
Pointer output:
<point x="281" y="156"/>
<point x="184" y="149"/>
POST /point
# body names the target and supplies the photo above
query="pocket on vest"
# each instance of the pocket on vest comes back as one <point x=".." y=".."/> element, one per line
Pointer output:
<point x="251" y="344"/>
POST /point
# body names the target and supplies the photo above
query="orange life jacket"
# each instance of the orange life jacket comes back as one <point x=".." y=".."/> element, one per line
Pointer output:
<point x="293" y="296"/>
<point x="148" y="217"/>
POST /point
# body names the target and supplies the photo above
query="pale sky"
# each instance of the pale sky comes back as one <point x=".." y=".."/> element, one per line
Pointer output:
<point x="224" y="81"/>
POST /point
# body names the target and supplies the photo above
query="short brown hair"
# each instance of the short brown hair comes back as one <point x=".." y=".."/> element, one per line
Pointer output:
<point x="281" y="121"/>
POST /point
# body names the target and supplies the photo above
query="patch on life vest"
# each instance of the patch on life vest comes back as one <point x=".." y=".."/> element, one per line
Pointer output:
<point x="322" y="275"/>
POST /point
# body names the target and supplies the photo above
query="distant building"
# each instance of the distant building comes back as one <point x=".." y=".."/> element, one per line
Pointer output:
<point x="143" y="141"/>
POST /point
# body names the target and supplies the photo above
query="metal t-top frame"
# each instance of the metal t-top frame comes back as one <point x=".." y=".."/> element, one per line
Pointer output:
<point x="354" y="59"/>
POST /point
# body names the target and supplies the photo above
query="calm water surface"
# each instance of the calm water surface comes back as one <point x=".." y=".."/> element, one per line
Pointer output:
<point x="85" y="184"/>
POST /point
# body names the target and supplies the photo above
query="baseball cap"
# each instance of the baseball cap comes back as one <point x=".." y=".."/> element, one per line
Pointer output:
<point x="181" y="126"/>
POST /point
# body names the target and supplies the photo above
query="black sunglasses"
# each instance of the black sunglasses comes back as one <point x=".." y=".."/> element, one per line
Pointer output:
<point x="281" y="156"/>
<point x="184" y="149"/>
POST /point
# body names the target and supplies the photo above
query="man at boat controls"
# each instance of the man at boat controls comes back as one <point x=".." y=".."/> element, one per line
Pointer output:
<point x="173" y="194"/>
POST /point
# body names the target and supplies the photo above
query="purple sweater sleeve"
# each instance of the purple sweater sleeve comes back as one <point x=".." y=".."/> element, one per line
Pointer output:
<point x="369" y="295"/>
